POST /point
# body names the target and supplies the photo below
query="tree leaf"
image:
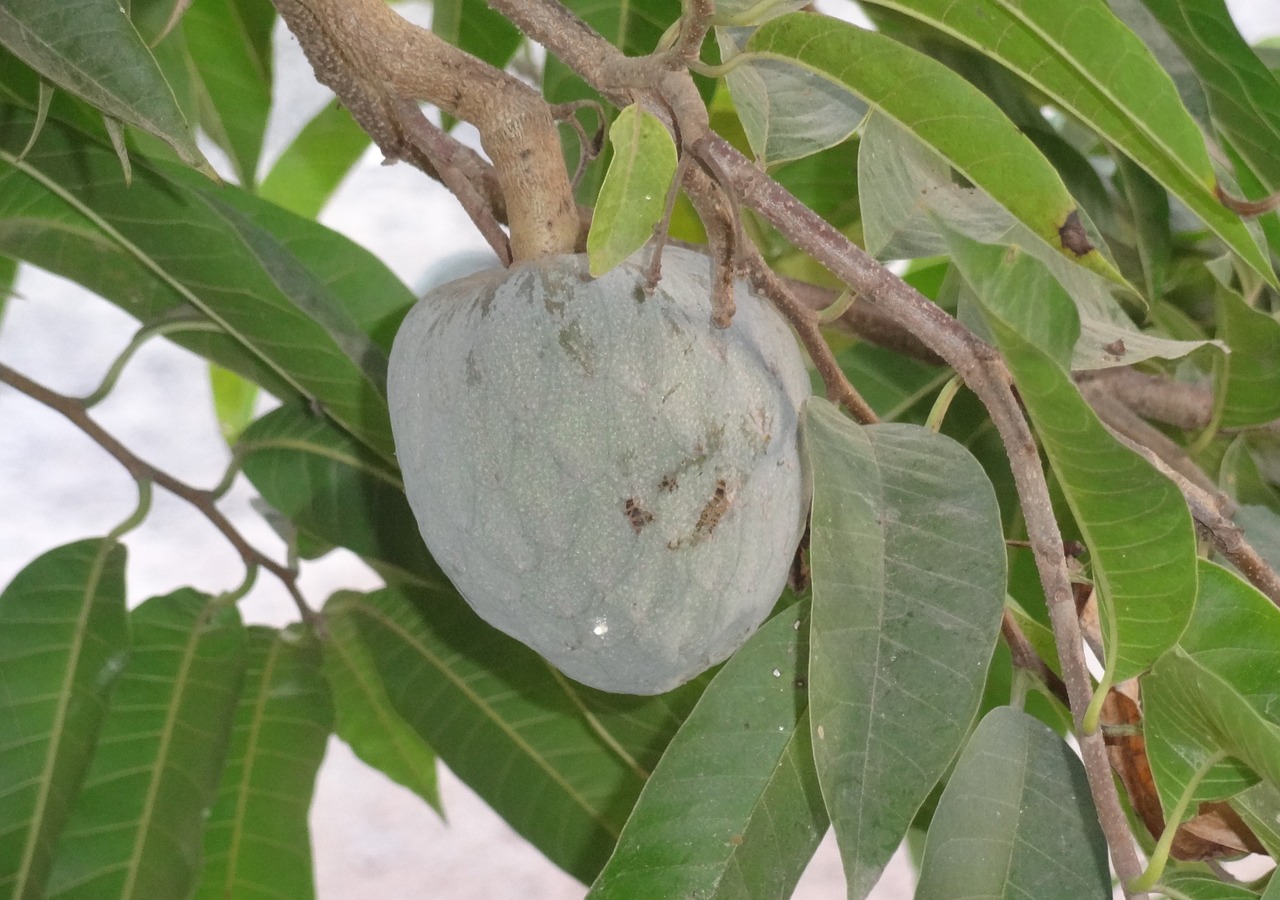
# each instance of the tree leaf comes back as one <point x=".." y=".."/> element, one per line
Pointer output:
<point x="1257" y="501"/>
<point x="229" y="42"/>
<point x="635" y="29"/>
<point x="1219" y="690"/>
<point x="786" y="113"/>
<point x="234" y="401"/>
<point x="1088" y="62"/>
<point x="1193" y="886"/>
<point x="364" y="716"/>
<point x="198" y="247"/>
<point x="1016" y="819"/>
<point x="63" y="639"/>
<point x="91" y="49"/>
<point x="1148" y="207"/>
<point x="1259" y="807"/>
<point x="257" y="843"/>
<point x="941" y="109"/>
<point x="310" y="169"/>
<point x="137" y="826"/>
<point x="1244" y="95"/>
<point x="1251" y="391"/>
<point x="907" y="190"/>
<point x="634" y="193"/>
<point x="733" y="808"/>
<point x="908" y="563"/>
<point x="477" y="29"/>
<point x="334" y="490"/>
<point x="561" y="763"/>
<point x="1142" y="546"/>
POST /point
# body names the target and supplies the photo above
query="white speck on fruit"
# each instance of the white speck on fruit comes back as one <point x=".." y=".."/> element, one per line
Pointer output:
<point x="601" y="629"/>
<point x="777" y="673"/>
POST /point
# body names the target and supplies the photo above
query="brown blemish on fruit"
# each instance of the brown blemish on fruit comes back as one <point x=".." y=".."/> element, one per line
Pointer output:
<point x="668" y="483"/>
<point x="636" y="514"/>
<point x="1073" y="236"/>
<point x="714" y="509"/>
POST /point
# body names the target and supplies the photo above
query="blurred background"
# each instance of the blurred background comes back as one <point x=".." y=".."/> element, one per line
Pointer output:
<point x="372" y="838"/>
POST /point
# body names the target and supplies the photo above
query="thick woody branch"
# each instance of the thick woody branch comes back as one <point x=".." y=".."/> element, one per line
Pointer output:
<point x="1186" y="406"/>
<point x="372" y="58"/>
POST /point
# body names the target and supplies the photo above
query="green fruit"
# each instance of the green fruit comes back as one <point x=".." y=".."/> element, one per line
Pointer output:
<point x="602" y="473"/>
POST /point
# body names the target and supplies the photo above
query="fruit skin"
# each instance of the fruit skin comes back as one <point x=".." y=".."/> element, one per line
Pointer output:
<point x="603" y="474"/>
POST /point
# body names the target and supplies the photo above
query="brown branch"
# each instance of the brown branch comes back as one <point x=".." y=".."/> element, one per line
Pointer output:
<point x="1186" y="406"/>
<point x="1227" y="536"/>
<point x="372" y="57"/>
<point x="1025" y="657"/>
<point x="204" y="501"/>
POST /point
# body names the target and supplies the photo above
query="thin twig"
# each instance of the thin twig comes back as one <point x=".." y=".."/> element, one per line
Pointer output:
<point x="76" y="412"/>
<point x="694" y="25"/>
<point x="1026" y="658"/>
<point x="805" y="323"/>
<point x="430" y="140"/>
<point x="1227" y="536"/>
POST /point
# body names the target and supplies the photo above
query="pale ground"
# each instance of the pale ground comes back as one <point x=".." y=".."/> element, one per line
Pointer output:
<point x="372" y="839"/>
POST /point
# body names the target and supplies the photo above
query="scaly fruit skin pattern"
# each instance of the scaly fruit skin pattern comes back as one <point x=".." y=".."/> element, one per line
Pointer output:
<point x="602" y="473"/>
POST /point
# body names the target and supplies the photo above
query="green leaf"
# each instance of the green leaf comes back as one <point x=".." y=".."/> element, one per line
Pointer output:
<point x="335" y="491"/>
<point x="257" y="843"/>
<point x="1219" y="690"/>
<point x="1257" y="501"/>
<point x="1148" y="208"/>
<point x="1193" y="886"/>
<point x="310" y="169"/>
<point x="1089" y="63"/>
<point x="634" y="193"/>
<point x="63" y="639"/>
<point x="1259" y="806"/>
<point x="908" y="563"/>
<point x="234" y="400"/>
<point x="1016" y="820"/>
<point x="909" y="200"/>
<point x="786" y="114"/>
<point x="942" y="110"/>
<point x="733" y="809"/>
<point x="1142" y="545"/>
<point x="91" y="49"/>
<point x="364" y="716"/>
<point x="635" y="29"/>
<point x="1244" y="95"/>
<point x="137" y="826"/>
<point x="536" y="747"/>
<point x="1252" y="384"/>
<point x="477" y="29"/>
<point x="255" y="271"/>
<point x="229" y="42"/>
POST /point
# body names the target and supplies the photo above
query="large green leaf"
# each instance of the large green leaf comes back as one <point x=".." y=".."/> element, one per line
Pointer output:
<point x="563" y="764"/>
<point x="63" y="640"/>
<point x="733" y="810"/>
<point x="91" y="49"/>
<point x="1251" y="389"/>
<point x="258" y="273"/>
<point x="942" y="110"/>
<point x="335" y="490"/>
<point x="229" y="42"/>
<point x="1259" y="806"/>
<point x="257" y="844"/>
<point x="310" y="169"/>
<point x="1015" y="820"/>
<point x="634" y="193"/>
<point x="1086" y="60"/>
<point x="907" y="191"/>
<point x="1142" y="545"/>
<point x="363" y="714"/>
<point x="1194" y="886"/>
<point x="1217" y="692"/>
<point x="1244" y="95"/>
<point x="908" y="564"/>
<point x="136" y="829"/>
